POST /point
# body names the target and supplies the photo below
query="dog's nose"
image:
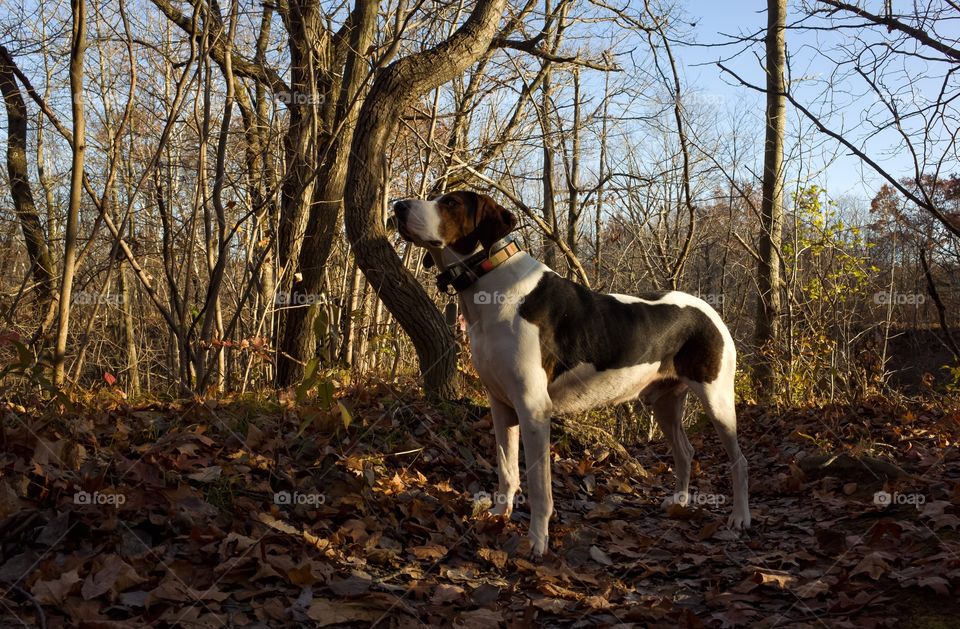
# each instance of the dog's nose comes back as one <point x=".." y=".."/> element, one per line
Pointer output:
<point x="401" y="208"/>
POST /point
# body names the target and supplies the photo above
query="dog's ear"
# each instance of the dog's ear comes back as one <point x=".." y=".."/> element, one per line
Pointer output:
<point x="492" y="221"/>
<point x="496" y="222"/>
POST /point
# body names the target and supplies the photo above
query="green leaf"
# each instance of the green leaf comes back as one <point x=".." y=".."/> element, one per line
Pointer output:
<point x="325" y="393"/>
<point x="310" y="377"/>
<point x="346" y="414"/>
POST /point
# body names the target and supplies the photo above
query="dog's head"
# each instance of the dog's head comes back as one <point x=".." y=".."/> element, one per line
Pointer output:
<point x="460" y="220"/>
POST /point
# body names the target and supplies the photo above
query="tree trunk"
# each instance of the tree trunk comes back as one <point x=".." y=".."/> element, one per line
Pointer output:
<point x="303" y="132"/>
<point x="38" y="252"/>
<point x="767" y="330"/>
<point x="573" y="198"/>
<point x="549" y="207"/>
<point x="299" y="342"/>
<point x="129" y="332"/>
<point x="601" y="180"/>
<point x="394" y="89"/>
<point x="348" y="321"/>
<point x="77" y="45"/>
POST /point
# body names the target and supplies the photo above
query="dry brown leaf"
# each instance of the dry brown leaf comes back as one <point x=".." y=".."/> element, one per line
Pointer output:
<point x="479" y="619"/>
<point x="551" y="605"/>
<point x="428" y="553"/>
<point x="115" y="575"/>
<point x="207" y="474"/>
<point x="873" y="565"/>
<point x="600" y="557"/>
<point x="446" y="593"/>
<point x="497" y="557"/>
<point x="326" y="612"/>
<point x="812" y="589"/>
<point x="302" y="575"/>
<point x="55" y="591"/>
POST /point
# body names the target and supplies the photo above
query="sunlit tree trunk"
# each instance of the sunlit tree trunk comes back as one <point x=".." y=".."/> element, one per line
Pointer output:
<point x="299" y="341"/>
<point x="78" y="44"/>
<point x="767" y="327"/>
<point x="392" y="92"/>
<point x="38" y="253"/>
<point x="573" y="186"/>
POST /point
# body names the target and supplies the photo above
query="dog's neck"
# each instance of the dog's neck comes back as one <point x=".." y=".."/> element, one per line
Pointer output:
<point x="448" y="257"/>
<point x="461" y="272"/>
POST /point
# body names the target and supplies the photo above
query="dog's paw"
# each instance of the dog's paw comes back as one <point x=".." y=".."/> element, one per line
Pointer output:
<point x="540" y="546"/>
<point x="501" y="510"/>
<point x="532" y="549"/>
<point x="681" y="498"/>
<point x="739" y="521"/>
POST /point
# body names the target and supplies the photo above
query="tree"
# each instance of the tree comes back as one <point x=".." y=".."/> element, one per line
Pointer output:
<point x="77" y="46"/>
<point x="893" y="57"/>
<point x="766" y="330"/>
<point x="38" y="252"/>
<point x="394" y="89"/>
<point x="298" y="342"/>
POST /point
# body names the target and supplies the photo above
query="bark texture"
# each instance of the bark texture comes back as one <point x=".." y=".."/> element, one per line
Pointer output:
<point x="771" y="210"/>
<point x="78" y="45"/>
<point x="393" y="90"/>
<point x="41" y="262"/>
<point x="299" y="341"/>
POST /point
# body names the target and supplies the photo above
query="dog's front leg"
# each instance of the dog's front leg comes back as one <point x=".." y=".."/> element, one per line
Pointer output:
<point x="507" y="429"/>
<point x="535" y="432"/>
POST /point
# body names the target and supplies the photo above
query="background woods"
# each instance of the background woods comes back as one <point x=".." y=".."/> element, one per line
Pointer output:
<point x="195" y="192"/>
<point x="220" y="365"/>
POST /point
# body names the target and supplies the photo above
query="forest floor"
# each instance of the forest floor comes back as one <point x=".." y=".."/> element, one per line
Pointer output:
<point x="207" y="513"/>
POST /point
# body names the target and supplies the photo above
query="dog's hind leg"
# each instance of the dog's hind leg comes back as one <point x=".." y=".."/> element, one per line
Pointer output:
<point x="718" y="402"/>
<point x="507" y="429"/>
<point x="668" y="411"/>
<point x="534" y="417"/>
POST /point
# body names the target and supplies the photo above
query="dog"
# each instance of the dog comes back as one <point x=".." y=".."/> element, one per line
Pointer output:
<point x="544" y="345"/>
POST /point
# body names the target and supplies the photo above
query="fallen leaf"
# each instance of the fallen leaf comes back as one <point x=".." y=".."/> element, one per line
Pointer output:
<point x="428" y="553"/>
<point x="114" y="575"/>
<point x="497" y="557"/>
<point x="937" y="584"/>
<point x="207" y="474"/>
<point x="812" y="589"/>
<point x="478" y="619"/>
<point x="600" y="557"/>
<point x="326" y="612"/>
<point x="55" y="592"/>
<point x="446" y="593"/>
<point x="873" y="565"/>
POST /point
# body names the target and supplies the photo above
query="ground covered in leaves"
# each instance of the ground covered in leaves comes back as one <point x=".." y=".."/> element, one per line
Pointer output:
<point x="233" y="513"/>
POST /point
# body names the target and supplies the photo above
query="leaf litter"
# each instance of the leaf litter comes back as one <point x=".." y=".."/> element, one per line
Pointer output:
<point x="234" y="512"/>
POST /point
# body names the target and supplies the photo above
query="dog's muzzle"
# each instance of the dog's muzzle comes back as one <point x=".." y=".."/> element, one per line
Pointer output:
<point x="401" y="209"/>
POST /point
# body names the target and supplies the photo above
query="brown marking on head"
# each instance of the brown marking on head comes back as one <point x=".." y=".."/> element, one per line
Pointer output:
<point x="468" y="218"/>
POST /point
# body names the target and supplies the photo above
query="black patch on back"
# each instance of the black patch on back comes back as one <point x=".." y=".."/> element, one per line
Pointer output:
<point x="578" y="325"/>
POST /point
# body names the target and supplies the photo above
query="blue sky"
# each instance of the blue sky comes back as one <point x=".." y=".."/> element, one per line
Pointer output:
<point x="846" y="175"/>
